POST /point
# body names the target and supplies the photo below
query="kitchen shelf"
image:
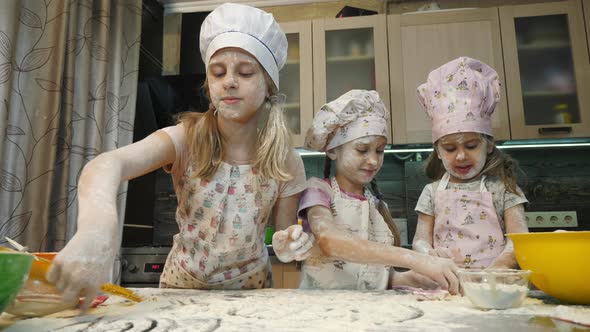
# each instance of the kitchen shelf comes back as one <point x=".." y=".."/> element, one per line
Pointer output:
<point x="291" y="105"/>
<point x="544" y="46"/>
<point x="336" y="59"/>
<point x="533" y="94"/>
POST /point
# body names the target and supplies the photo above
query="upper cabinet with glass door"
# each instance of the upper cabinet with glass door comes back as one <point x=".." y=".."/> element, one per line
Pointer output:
<point x="296" y="80"/>
<point x="349" y="53"/>
<point x="422" y="41"/>
<point x="547" y="69"/>
<point x="586" y="5"/>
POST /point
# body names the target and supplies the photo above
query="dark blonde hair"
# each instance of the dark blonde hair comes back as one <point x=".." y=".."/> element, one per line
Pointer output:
<point x="381" y="206"/>
<point x="206" y="144"/>
<point x="497" y="164"/>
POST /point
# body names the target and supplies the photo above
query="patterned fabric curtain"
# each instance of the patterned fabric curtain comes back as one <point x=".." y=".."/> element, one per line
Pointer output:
<point x="68" y="80"/>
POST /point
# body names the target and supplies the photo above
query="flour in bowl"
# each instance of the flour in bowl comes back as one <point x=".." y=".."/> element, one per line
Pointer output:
<point x="495" y="295"/>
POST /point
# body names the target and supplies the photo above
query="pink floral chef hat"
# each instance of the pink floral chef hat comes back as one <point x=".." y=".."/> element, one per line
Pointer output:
<point x="460" y="96"/>
<point x="355" y="114"/>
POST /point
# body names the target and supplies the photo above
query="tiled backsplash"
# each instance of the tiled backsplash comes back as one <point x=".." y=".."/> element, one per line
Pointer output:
<point x="552" y="179"/>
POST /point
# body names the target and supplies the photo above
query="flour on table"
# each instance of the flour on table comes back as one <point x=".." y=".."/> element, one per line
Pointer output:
<point x="273" y="309"/>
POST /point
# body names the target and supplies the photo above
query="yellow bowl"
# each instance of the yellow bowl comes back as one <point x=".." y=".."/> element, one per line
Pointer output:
<point x="558" y="261"/>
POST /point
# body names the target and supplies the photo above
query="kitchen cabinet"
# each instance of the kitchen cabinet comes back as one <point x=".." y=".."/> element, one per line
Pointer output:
<point x="296" y="79"/>
<point x="285" y="275"/>
<point x="349" y="53"/>
<point x="586" y="5"/>
<point x="547" y="69"/>
<point x="422" y="41"/>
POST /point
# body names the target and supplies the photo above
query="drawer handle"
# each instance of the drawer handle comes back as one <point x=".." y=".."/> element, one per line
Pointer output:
<point x="555" y="130"/>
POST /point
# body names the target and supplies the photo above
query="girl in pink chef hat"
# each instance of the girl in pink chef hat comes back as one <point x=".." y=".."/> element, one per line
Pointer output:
<point x="232" y="168"/>
<point x="358" y="242"/>
<point x="474" y="200"/>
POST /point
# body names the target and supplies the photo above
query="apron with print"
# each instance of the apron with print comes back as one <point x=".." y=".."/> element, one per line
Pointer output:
<point x="222" y="226"/>
<point x="361" y="219"/>
<point x="466" y="221"/>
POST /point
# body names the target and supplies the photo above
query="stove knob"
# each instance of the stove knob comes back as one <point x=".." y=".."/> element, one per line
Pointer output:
<point x="132" y="268"/>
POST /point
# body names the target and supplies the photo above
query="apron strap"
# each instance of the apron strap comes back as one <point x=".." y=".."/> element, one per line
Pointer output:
<point x="482" y="185"/>
<point x="335" y="186"/>
<point x="444" y="182"/>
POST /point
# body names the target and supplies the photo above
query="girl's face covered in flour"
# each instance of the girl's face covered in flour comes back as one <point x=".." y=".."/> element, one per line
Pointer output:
<point x="237" y="86"/>
<point x="463" y="155"/>
<point x="358" y="161"/>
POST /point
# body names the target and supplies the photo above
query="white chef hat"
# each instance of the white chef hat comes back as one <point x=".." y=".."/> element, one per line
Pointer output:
<point x="248" y="28"/>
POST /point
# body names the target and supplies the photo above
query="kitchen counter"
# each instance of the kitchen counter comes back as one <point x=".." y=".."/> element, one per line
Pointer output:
<point x="302" y="310"/>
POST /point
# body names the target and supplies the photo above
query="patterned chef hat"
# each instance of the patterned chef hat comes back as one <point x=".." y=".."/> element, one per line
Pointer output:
<point x="355" y="114"/>
<point x="460" y="96"/>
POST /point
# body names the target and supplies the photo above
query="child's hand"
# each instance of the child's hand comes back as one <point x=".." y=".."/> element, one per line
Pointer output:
<point x="414" y="279"/>
<point x="292" y="244"/>
<point x="425" y="248"/>
<point x="442" y="252"/>
<point x="443" y="271"/>
<point x="83" y="266"/>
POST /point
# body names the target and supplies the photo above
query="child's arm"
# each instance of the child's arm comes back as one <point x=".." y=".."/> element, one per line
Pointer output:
<point x="284" y="213"/>
<point x="412" y="278"/>
<point x="289" y="241"/>
<point x="338" y="244"/>
<point x="423" y="238"/>
<point x="515" y="221"/>
<point x="87" y="259"/>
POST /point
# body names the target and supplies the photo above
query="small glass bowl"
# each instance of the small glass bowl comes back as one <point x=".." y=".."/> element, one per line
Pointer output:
<point x="495" y="289"/>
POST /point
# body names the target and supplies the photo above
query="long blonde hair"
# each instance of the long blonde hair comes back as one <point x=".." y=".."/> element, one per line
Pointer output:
<point x="497" y="164"/>
<point x="206" y="144"/>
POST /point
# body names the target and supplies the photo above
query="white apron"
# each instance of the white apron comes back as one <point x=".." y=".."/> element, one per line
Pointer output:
<point x="466" y="221"/>
<point x="361" y="219"/>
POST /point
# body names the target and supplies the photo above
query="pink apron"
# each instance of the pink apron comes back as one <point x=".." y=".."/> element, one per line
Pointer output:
<point x="222" y="224"/>
<point x="466" y="221"/>
<point x="361" y="219"/>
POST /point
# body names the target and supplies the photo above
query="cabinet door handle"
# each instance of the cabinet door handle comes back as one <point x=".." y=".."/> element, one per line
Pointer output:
<point x="555" y="130"/>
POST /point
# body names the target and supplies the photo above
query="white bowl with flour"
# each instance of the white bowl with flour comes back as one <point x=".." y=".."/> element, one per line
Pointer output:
<point x="495" y="289"/>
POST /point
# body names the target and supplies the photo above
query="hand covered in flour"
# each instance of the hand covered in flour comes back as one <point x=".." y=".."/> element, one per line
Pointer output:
<point x="442" y="270"/>
<point x="292" y="244"/>
<point x="85" y="263"/>
<point x="413" y="279"/>
<point x="425" y="248"/>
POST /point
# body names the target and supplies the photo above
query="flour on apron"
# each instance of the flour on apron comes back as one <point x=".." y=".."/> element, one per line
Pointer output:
<point x="222" y="226"/>
<point x="361" y="219"/>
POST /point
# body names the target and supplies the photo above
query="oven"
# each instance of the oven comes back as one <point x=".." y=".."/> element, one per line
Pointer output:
<point x="142" y="266"/>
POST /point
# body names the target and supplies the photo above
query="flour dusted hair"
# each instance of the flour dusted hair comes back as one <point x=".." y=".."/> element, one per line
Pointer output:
<point x="206" y="144"/>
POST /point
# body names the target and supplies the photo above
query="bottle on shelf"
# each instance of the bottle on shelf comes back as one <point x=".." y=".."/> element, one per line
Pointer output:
<point x="562" y="114"/>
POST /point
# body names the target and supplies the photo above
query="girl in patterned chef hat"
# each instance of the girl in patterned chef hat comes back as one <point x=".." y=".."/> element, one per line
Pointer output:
<point x="232" y="168"/>
<point x="474" y="199"/>
<point x="358" y="243"/>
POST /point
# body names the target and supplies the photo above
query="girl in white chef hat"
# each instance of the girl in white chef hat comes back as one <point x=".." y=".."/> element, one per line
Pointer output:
<point x="358" y="242"/>
<point x="474" y="200"/>
<point x="232" y="169"/>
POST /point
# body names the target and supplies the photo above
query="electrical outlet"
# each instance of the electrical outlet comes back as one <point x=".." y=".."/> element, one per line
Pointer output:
<point x="402" y="225"/>
<point x="548" y="219"/>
